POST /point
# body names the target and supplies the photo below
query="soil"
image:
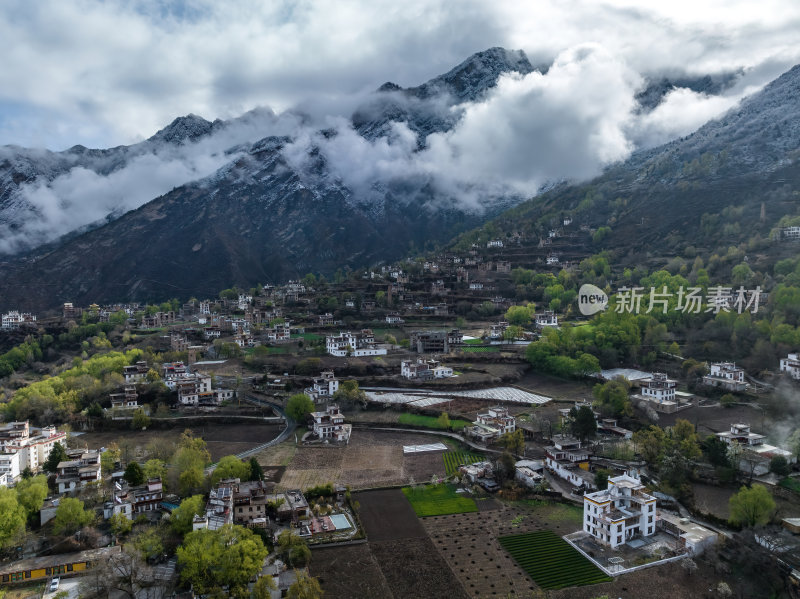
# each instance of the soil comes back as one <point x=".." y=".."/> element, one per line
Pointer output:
<point x="221" y="439"/>
<point x="363" y="578"/>
<point x="388" y="516"/>
<point x="371" y="459"/>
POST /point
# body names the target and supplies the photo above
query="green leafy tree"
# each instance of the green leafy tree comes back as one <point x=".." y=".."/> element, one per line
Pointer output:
<point x="583" y="422"/>
<point x="519" y="315"/>
<point x="120" y="524"/>
<point x="190" y="459"/>
<point x="443" y="421"/>
<point x="12" y="518"/>
<point x="155" y="468"/>
<point x="110" y="457"/>
<point x="752" y="506"/>
<point x="716" y="452"/>
<point x="57" y="454"/>
<point x="513" y="442"/>
<point x="230" y="467"/>
<point x="31" y="493"/>
<point x="292" y="549"/>
<point x="299" y="406"/>
<point x="182" y="516"/>
<point x="780" y="466"/>
<point x="134" y="474"/>
<point x="601" y="478"/>
<point x="149" y="543"/>
<point x="140" y="420"/>
<point x="228" y="557"/>
<point x="650" y="443"/>
<point x="305" y="587"/>
<point x="612" y="398"/>
<point x="263" y="588"/>
<point x="256" y="471"/>
<point x="71" y="516"/>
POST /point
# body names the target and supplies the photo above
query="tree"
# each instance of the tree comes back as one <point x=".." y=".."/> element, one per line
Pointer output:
<point x="601" y="478"/>
<point x="716" y="451"/>
<point x="230" y="467"/>
<point x="57" y="454"/>
<point x="71" y="516"/>
<point x="306" y="587"/>
<point x="134" y="474"/>
<point x="12" y="518"/>
<point x="513" y="442"/>
<point x="612" y="397"/>
<point x="109" y="458"/>
<point x="518" y="315"/>
<point x="299" y="406"/>
<point x="650" y="443"/>
<point x="443" y="421"/>
<point x="779" y="466"/>
<point x="31" y="493"/>
<point x="228" y="557"/>
<point x="120" y="524"/>
<point x="140" y="420"/>
<point x="292" y="549"/>
<point x="149" y="543"/>
<point x="188" y="463"/>
<point x="263" y="588"/>
<point x="256" y="471"/>
<point x="751" y="506"/>
<point x="155" y="468"/>
<point x="182" y="516"/>
<point x="583" y="422"/>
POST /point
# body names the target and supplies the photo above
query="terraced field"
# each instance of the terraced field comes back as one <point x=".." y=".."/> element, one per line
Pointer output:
<point x="453" y="459"/>
<point x="550" y="561"/>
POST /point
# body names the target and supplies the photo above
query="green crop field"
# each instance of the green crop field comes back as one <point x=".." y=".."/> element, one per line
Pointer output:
<point x="475" y="349"/>
<point x="791" y="483"/>
<point x="473" y="341"/>
<point x="453" y="459"/>
<point x="438" y="500"/>
<point x="429" y="421"/>
<point x="550" y="561"/>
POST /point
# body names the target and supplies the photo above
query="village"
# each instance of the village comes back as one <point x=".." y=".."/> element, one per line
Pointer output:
<point x="338" y="416"/>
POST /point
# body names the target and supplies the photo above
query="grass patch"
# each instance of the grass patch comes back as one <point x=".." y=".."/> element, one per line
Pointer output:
<point x="453" y="459"/>
<point x="473" y="341"/>
<point x="556" y="512"/>
<point x="430" y="422"/>
<point x="306" y="336"/>
<point x="550" y="561"/>
<point x="791" y="483"/>
<point x="438" y="500"/>
<point x="474" y="349"/>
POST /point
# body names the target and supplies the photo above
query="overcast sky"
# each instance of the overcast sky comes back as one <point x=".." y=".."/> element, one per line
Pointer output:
<point x="113" y="72"/>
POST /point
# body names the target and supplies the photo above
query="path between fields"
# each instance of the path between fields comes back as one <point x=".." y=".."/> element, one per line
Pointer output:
<point x="285" y="433"/>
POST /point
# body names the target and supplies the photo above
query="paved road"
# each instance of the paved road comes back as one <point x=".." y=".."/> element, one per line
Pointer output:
<point x="291" y="425"/>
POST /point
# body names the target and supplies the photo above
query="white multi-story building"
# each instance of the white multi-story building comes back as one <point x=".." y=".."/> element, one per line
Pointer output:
<point x="494" y="243"/>
<point x="326" y="384"/>
<point x="135" y="372"/>
<point x="330" y="424"/>
<point x="756" y="454"/>
<point x="424" y="369"/>
<point x="569" y="461"/>
<point x="547" y="318"/>
<point x="617" y="514"/>
<point x="496" y="330"/>
<point x="727" y="376"/>
<point x="15" y="319"/>
<point x="659" y="388"/>
<point x="791" y="232"/>
<point x="791" y="366"/>
<point x="492" y="424"/>
<point x="32" y="448"/>
<point x="82" y="468"/>
<point x="353" y="344"/>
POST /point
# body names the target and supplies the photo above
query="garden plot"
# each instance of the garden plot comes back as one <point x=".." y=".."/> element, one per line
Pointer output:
<point x="552" y="562"/>
<point x="436" y="500"/>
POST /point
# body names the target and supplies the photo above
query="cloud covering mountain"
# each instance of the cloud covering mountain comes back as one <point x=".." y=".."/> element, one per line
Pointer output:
<point x="492" y="130"/>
